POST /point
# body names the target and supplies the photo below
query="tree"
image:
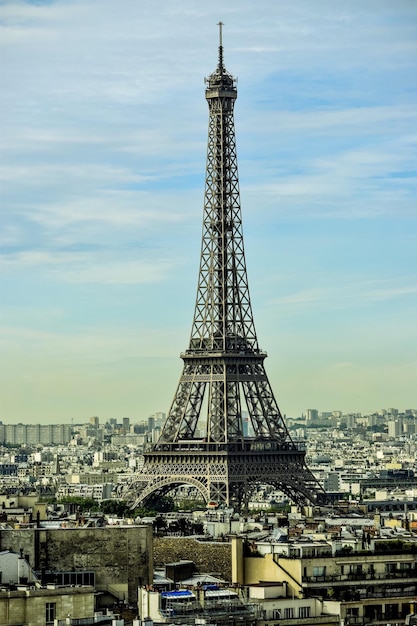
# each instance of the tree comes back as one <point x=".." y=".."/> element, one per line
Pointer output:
<point x="119" y="508"/>
<point x="84" y="504"/>
<point x="161" y="505"/>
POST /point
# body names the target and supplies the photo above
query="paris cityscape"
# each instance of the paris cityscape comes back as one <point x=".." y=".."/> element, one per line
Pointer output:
<point x="64" y="483"/>
<point x="221" y="509"/>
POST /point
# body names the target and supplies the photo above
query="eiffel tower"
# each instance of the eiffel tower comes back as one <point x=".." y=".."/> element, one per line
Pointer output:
<point x="203" y="442"/>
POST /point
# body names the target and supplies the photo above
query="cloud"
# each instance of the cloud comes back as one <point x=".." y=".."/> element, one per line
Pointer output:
<point x="104" y="133"/>
<point x="109" y="344"/>
<point x="78" y="267"/>
<point x="350" y="294"/>
<point x="123" y="273"/>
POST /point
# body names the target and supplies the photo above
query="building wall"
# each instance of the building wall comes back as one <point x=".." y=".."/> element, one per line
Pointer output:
<point x="119" y="555"/>
<point x="269" y="568"/>
<point x="238" y="567"/>
<point x="28" y="607"/>
<point x="275" y="609"/>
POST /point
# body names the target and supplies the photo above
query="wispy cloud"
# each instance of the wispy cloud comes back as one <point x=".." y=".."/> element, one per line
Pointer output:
<point x="104" y="131"/>
<point x="123" y="273"/>
<point x="351" y="294"/>
<point x="79" y="267"/>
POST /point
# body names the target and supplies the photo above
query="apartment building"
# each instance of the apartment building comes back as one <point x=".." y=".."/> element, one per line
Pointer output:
<point x="32" y="434"/>
<point x="374" y="581"/>
<point x="24" y="600"/>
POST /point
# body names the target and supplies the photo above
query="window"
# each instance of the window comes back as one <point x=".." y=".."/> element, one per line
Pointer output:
<point x="391" y="611"/>
<point x="319" y="571"/>
<point x="303" y="612"/>
<point x="289" y="613"/>
<point x="50" y="612"/>
<point x="405" y="567"/>
<point x="352" y="612"/>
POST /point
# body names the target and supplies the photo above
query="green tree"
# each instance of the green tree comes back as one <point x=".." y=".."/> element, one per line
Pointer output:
<point x="120" y="508"/>
<point x="161" y="505"/>
<point x="84" y="504"/>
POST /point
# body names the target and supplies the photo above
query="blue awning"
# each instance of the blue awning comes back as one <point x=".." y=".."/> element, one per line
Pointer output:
<point x="176" y="595"/>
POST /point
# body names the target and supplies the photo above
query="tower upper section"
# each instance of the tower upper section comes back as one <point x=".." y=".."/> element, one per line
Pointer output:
<point x="221" y="84"/>
<point x="223" y="321"/>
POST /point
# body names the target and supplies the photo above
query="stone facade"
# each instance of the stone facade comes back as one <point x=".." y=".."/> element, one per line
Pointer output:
<point x="31" y="607"/>
<point x="119" y="555"/>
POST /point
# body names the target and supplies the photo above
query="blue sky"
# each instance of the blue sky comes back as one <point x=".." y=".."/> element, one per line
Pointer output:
<point x="103" y="147"/>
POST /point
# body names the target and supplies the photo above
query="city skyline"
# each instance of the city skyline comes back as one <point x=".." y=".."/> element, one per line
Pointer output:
<point x="390" y="415"/>
<point x="104" y="137"/>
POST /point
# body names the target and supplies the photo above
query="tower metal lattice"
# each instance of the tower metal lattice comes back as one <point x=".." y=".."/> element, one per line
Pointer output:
<point x="204" y="442"/>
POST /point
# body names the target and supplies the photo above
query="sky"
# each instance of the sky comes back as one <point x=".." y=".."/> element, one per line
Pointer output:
<point x="102" y="162"/>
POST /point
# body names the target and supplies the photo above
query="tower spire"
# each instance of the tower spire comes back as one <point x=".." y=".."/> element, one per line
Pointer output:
<point x="221" y="66"/>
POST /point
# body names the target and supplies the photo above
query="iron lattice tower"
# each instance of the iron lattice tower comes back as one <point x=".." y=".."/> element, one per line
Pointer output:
<point x="203" y="442"/>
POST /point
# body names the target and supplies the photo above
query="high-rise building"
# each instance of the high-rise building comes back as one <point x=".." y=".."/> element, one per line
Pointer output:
<point x="312" y="416"/>
<point x="32" y="434"/>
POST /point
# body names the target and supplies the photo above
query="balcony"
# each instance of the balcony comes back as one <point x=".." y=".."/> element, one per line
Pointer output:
<point x="104" y="619"/>
<point x="303" y="621"/>
<point x="377" y="619"/>
<point x="345" y="579"/>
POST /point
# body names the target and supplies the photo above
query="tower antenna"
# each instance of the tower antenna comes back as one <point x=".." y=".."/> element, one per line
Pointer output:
<point x="220" y="25"/>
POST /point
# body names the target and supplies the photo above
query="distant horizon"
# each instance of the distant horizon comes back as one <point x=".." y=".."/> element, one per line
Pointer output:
<point x="104" y="137"/>
<point x="103" y="421"/>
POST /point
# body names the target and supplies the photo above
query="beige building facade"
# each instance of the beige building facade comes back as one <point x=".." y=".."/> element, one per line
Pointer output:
<point x="377" y="586"/>
<point x="40" y="607"/>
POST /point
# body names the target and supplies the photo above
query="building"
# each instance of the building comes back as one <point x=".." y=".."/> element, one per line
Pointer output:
<point x="373" y="580"/>
<point x="99" y="492"/>
<point x="25" y="601"/>
<point x="32" y="434"/>
<point x="119" y="556"/>
<point x="206" y="603"/>
<point x="204" y="598"/>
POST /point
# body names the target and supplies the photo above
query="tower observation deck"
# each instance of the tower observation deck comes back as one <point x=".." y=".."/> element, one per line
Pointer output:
<point x="204" y="442"/>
